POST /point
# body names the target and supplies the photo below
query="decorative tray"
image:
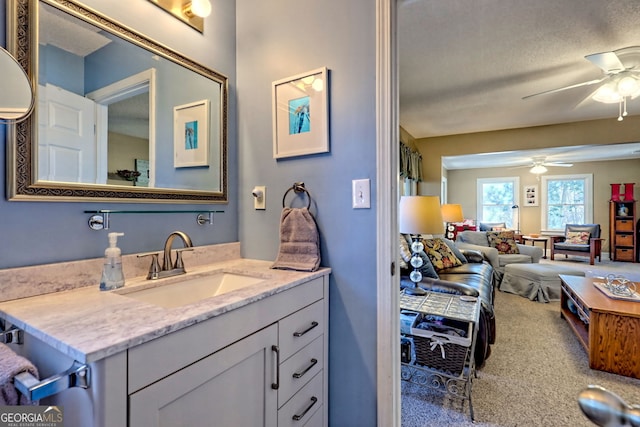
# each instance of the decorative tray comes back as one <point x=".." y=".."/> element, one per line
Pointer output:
<point x="600" y="286"/>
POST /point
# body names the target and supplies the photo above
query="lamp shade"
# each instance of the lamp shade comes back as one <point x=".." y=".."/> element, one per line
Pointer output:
<point x="452" y="213"/>
<point x="420" y="215"/>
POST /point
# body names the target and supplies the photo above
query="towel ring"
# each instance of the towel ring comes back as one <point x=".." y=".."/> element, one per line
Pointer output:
<point x="297" y="187"/>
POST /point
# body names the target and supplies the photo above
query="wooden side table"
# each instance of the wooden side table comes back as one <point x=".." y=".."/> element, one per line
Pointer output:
<point x="607" y="328"/>
<point x="533" y="240"/>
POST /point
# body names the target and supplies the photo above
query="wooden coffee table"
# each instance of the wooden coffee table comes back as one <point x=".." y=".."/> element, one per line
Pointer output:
<point x="608" y="329"/>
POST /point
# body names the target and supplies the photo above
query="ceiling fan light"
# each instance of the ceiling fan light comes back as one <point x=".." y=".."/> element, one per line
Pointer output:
<point x="627" y="86"/>
<point x="538" y="169"/>
<point x="607" y="94"/>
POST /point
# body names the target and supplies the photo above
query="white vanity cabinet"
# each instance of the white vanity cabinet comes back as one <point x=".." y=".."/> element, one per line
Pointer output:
<point x="264" y="366"/>
<point x="261" y="364"/>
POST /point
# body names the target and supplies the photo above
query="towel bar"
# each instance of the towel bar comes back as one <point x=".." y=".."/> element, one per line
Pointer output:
<point x="78" y="375"/>
<point x="12" y="336"/>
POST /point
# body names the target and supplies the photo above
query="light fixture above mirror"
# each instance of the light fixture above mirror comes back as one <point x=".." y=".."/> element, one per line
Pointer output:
<point x="191" y="12"/>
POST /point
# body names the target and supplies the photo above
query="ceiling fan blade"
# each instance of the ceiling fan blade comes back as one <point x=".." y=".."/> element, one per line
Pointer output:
<point x="607" y="61"/>
<point x="562" y="165"/>
<point x="590" y="82"/>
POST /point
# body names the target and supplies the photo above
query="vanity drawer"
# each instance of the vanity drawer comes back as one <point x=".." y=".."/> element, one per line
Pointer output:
<point x="303" y="406"/>
<point x="300" y="328"/>
<point x="299" y="369"/>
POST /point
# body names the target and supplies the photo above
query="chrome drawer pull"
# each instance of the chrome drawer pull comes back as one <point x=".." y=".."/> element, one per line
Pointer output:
<point x="299" y="417"/>
<point x="299" y="334"/>
<point x="276" y="350"/>
<point x="311" y="365"/>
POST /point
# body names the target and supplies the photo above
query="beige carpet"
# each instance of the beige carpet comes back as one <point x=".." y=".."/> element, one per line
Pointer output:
<point x="535" y="372"/>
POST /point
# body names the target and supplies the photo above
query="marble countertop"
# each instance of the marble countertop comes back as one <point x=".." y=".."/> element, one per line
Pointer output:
<point x="88" y="324"/>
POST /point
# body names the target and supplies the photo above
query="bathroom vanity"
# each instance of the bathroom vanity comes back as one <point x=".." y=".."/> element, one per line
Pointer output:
<point x="252" y="356"/>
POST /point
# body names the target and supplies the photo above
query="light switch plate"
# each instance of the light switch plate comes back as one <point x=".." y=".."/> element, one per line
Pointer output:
<point x="361" y="193"/>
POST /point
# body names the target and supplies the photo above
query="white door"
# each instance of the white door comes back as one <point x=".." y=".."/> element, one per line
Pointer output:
<point x="66" y="142"/>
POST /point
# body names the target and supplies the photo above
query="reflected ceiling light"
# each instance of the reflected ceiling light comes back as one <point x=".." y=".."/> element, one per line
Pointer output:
<point x="538" y="169"/>
<point x="310" y="81"/>
<point x="191" y="12"/>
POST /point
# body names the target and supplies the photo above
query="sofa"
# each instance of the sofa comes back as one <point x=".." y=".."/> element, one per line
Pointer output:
<point x="480" y="241"/>
<point x="472" y="276"/>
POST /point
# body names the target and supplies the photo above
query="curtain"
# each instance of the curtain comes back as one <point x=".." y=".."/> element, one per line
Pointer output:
<point x="410" y="163"/>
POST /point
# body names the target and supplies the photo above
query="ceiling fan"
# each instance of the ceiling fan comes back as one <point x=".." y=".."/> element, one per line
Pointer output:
<point x="618" y="83"/>
<point x="539" y="165"/>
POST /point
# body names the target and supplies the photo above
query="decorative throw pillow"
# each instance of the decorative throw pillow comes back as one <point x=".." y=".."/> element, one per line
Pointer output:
<point x="578" y="237"/>
<point x="503" y="241"/>
<point x="440" y="255"/>
<point x="457" y="252"/>
<point x="405" y="253"/>
<point x="426" y="269"/>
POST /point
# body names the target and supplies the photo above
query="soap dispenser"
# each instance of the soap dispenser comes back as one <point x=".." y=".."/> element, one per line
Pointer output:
<point x="112" y="275"/>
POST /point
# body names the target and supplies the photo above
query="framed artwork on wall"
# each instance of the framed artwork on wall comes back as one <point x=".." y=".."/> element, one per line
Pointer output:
<point x="530" y="195"/>
<point x="191" y="134"/>
<point x="300" y="114"/>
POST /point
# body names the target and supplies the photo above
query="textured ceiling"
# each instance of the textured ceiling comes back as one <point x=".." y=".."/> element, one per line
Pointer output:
<point x="465" y="65"/>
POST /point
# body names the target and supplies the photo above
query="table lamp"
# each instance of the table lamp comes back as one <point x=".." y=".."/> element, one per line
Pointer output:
<point x="419" y="215"/>
<point x="451" y="213"/>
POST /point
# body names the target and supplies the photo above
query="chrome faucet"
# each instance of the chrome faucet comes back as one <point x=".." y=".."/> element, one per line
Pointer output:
<point x="169" y="267"/>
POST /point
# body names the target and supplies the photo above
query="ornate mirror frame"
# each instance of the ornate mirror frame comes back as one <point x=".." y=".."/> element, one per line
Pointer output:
<point x="22" y="183"/>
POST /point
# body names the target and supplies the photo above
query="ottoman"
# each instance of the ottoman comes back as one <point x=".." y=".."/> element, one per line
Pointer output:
<point x="538" y="282"/>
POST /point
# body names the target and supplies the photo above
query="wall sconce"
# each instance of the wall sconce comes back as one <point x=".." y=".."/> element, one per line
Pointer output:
<point x="191" y="12"/>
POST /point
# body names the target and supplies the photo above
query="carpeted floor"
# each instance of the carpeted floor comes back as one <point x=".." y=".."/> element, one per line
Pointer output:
<point x="533" y="376"/>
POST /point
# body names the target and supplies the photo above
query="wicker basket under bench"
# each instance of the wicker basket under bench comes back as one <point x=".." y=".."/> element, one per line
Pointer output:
<point x="440" y="357"/>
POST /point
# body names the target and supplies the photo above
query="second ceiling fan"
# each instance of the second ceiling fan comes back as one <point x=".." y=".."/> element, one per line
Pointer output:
<point x="539" y="165"/>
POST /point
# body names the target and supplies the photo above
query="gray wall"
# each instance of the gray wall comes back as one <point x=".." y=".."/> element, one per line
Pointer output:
<point x="275" y="39"/>
<point x="278" y="39"/>
<point x="39" y="232"/>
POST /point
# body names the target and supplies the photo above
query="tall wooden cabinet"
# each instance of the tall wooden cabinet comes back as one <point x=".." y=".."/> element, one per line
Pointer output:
<point x="622" y="231"/>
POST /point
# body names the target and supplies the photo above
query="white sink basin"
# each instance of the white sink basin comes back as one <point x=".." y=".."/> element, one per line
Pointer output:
<point x="188" y="291"/>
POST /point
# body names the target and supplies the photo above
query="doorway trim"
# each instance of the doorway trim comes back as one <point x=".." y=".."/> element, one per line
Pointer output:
<point x="388" y="282"/>
<point x="144" y="81"/>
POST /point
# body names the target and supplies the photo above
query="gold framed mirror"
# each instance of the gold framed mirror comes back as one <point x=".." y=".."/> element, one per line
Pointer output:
<point x="103" y="130"/>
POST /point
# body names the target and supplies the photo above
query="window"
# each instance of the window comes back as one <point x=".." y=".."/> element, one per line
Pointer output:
<point x="566" y="199"/>
<point x="496" y="200"/>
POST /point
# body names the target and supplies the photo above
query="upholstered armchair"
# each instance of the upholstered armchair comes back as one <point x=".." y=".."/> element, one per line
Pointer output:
<point x="580" y="240"/>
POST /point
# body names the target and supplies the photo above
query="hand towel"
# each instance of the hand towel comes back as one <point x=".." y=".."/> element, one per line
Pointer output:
<point x="11" y="364"/>
<point x="299" y="241"/>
